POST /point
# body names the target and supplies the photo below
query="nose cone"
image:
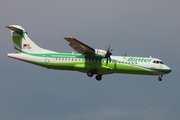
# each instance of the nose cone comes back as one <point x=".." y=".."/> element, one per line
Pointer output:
<point x="168" y="70"/>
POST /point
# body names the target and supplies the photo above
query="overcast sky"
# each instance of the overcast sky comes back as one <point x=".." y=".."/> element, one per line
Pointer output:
<point x="138" y="27"/>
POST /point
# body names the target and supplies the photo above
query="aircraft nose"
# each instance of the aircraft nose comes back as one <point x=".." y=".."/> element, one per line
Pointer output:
<point x="168" y="70"/>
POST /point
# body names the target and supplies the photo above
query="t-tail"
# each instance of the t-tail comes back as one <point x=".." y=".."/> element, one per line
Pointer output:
<point x="22" y="43"/>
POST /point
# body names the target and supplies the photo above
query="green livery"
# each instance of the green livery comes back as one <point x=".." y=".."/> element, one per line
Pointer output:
<point x="88" y="60"/>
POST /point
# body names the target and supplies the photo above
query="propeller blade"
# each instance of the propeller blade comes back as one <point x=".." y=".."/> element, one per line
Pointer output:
<point x="109" y="47"/>
<point x="111" y="50"/>
<point x="107" y="61"/>
<point x="108" y="54"/>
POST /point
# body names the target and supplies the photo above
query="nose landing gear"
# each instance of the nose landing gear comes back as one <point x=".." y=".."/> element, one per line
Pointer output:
<point x="160" y="77"/>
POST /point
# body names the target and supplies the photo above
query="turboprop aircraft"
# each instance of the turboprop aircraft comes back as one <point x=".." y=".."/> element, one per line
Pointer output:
<point x="88" y="60"/>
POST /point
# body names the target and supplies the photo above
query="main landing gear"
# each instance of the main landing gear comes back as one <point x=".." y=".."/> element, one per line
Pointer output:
<point x="160" y="77"/>
<point x="92" y="72"/>
<point x="98" y="77"/>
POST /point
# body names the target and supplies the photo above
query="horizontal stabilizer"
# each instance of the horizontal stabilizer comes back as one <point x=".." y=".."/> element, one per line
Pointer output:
<point x="16" y="28"/>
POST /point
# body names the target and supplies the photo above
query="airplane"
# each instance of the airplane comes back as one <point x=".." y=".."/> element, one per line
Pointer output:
<point x="87" y="59"/>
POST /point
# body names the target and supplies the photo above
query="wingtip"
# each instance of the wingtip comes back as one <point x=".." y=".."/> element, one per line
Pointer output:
<point x="68" y="37"/>
<point x="8" y="27"/>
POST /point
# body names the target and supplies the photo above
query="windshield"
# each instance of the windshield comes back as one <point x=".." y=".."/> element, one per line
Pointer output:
<point x="158" y="62"/>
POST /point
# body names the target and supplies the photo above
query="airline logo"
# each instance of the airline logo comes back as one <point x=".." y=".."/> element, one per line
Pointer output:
<point x="137" y="59"/>
<point x="26" y="46"/>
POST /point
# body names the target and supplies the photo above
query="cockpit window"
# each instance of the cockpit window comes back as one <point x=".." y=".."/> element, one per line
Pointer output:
<point x="158" y="62"/>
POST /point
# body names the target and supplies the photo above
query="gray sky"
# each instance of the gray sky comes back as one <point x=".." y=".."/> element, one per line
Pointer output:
<point x="138" y="27"/>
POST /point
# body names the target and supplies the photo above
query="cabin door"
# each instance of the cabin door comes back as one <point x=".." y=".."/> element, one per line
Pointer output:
<point x="47" y="60"/>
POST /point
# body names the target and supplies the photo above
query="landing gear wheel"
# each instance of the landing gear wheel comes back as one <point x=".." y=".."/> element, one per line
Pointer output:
<point x="90" y="73"/>
<point x="160" y="79"/>
<point x="98" y="77"/>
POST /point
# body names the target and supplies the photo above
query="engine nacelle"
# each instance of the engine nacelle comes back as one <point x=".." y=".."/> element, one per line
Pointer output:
<point x="101" y="52"/>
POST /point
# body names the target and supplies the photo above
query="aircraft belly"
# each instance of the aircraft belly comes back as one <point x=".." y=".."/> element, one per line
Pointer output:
<point x="131" y="69"/>
<point x="101" y="69"/>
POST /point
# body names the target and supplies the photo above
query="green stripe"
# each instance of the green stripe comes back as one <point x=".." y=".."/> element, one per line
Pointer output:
<point x="161" y="70"/>
<point x="85" y="66"/>
<point x="157" y="70"/>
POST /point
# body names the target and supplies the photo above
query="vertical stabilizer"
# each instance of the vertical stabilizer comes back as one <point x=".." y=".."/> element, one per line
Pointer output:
<point x="22" y="43"/>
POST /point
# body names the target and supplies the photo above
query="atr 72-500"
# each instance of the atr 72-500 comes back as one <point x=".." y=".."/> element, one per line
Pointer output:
<point x="88" y="60"/>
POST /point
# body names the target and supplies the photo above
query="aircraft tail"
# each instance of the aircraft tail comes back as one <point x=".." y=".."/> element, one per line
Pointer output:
<point x="22" y="43"/>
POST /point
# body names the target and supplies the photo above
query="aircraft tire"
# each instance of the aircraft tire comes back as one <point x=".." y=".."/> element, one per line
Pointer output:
<point x="89" y="73"/>
<point x="160" y="79"/>
<point x="98" y="77"/>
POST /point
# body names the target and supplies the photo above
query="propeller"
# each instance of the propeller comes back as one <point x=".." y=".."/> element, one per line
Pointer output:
<point x="108" y="54"/>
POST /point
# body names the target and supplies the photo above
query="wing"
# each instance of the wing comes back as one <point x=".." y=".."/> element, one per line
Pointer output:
<point x="79" y="46"/>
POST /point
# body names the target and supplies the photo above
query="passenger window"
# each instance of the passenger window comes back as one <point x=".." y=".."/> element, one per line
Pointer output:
<point x="157" y="62"/>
